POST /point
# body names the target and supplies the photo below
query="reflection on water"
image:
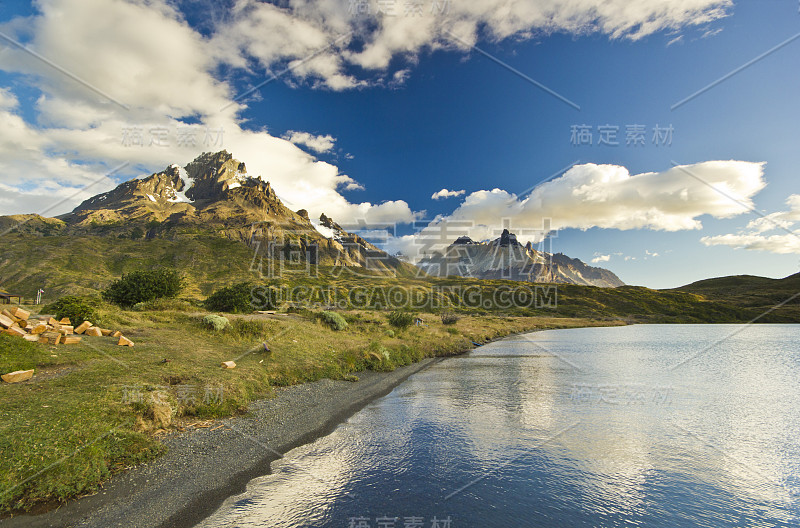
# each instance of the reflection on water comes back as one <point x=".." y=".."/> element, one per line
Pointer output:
<point x="583" y="427"/>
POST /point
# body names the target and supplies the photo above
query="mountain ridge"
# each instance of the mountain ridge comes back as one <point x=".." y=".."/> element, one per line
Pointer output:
<point x="215" y="196"/>
<point x="506" y="258"/>
<point x="212" y="196"/>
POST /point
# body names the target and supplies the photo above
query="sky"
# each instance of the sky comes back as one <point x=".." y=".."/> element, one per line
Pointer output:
<point x="657" y="139"/>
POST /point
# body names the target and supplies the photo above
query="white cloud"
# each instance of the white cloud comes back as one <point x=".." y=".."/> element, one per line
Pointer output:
<point x="353" y="186"/>
<point x="145" y="56"/>
<point x="608" y="197"/>
<point x="318" y="144"/>
<point x="711" y="33"/>
<point x="784" y="225"/>
<point x="601" y="258"/>
<point x="141" y="64"/>
<point x="675" y="40"/>
<point x="444" y="193"/>
<point x="316" y="40"/>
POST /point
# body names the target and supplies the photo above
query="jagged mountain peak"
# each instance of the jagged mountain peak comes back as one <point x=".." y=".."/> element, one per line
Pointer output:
<point x="211" y="179"/>
<point x="507" y="238"/>
<point x="328" y="222"/>
<point x="506" y="258"/>
<point x="214" y="196"/>
<point x="463" y="241"/>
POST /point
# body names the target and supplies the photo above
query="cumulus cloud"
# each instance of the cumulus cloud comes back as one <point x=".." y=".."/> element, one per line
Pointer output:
<point x="601" y="258"/>
<point x="777" y="232"/>
<point x="444" y="193"/>
<point x="138" y="65"/>
<point x="131" y="81"/>
<point x="319" y="41"/>
<point x="608" y="196"/>
<point x="319" y="144"/>
<point x="603" y="196"/>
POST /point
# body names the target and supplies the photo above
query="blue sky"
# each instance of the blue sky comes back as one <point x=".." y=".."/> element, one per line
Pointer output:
<point x="460" y="121"/>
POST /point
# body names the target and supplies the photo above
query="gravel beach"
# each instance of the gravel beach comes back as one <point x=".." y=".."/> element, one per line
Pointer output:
<point x="204" y="466"/>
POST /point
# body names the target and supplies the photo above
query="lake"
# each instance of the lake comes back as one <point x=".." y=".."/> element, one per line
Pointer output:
<point x="645" y="425"/>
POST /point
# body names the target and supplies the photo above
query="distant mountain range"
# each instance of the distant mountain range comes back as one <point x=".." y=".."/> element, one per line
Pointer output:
<point x="507" y="258"/>
<point x="214" y="196"/>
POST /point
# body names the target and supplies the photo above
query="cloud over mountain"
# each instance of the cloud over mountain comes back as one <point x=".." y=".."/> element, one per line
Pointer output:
<point x="137" y="69"/>
<point x="602" y="196"/>
<point x="608" y="196"/>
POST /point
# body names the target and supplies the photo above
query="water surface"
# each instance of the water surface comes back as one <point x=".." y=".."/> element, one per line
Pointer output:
<point x="647" y="425"/>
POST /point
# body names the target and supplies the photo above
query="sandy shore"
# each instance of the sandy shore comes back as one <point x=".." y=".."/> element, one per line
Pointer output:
<point x="204" y="467"/>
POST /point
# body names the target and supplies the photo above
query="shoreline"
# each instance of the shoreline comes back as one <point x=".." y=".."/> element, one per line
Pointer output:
<point x="202" y="467"/>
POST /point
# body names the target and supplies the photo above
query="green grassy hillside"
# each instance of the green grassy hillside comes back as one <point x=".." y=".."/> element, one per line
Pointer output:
<point x="755" y="294"/>
<point x="86" y="265"/>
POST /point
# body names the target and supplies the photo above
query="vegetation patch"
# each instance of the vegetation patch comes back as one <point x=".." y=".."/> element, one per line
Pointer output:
<point x="143" y="286"/>
<point x="233" y="299"/>
<point x="334" y="320"/>
<point x="449" y="318"/>
<point x="216" y="322"/>
<point x="400" y="318"/>
<point x="77" y="309"/>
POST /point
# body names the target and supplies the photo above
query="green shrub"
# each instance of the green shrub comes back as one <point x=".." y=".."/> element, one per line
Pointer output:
<point x="401" y="319"/>
<point x="233" y="299"/>
<point x="352" y="317"/>
<point x="334" y="320"/>
<point x="379" y="358"/>
<point x="216" y="322"/>
<point x="449" y="318"/>
<point x="144" y="285"/>
<point x="78" y="309"/>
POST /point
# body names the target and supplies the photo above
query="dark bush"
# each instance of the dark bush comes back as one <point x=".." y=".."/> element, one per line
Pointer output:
<point x="449" y="318"/>
<point x="144" y="285"/>
<point x="233" y="299"/>
<point x="78" y="309"/>
<point x="401" y="319"/>
<point x="334" y="320"/>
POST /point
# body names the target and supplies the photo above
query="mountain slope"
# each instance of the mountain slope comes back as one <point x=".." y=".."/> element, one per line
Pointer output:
<point x="760" y="293"/>
<point x="506" y="258"/>
<point x="213" y="197"/>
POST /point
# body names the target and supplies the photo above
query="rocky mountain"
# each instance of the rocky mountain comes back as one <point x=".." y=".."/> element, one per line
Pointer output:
<point x="506" y="258"/>
<point x="213" y="196"/>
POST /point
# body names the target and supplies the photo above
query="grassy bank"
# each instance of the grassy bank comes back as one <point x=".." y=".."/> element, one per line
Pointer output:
<point x="96" y="408"/>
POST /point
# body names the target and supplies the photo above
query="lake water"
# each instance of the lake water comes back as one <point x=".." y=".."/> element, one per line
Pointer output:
<point x="647" y="425"/>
